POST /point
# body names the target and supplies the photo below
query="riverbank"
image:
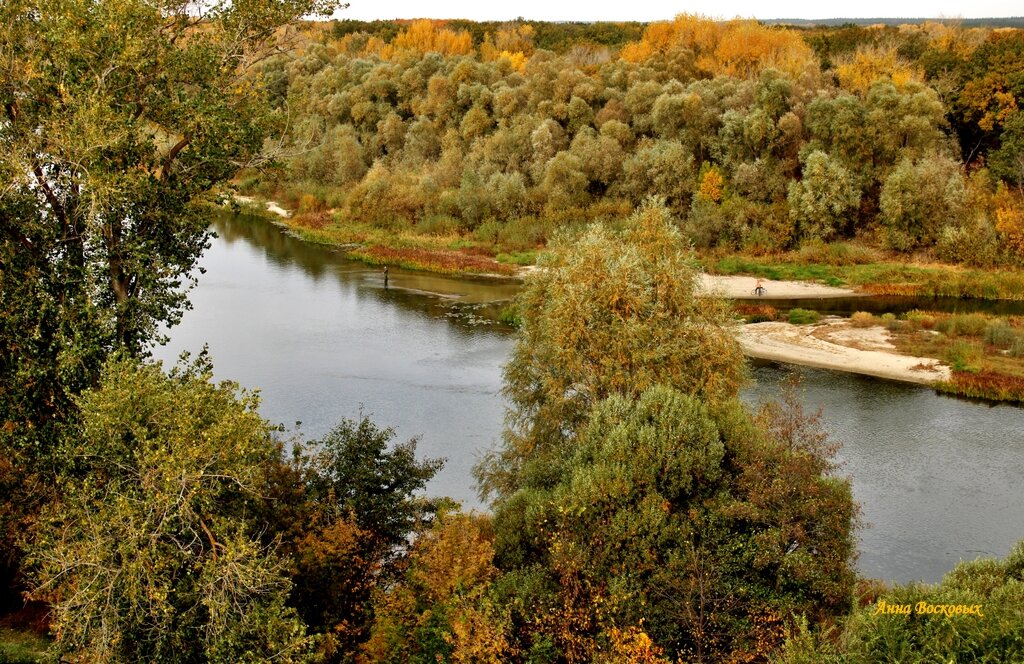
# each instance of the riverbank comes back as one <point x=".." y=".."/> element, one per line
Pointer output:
<point x="835" y="344"/>
<point x="810" y="272"/>
<point x="743" y="288"/>
<point x="874" y="273"/>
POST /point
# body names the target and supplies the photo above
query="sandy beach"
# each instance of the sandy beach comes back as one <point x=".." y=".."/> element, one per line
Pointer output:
<point x="743" y="288"/>
<point x="272" y="206"/>
<point x="835" y="344"/>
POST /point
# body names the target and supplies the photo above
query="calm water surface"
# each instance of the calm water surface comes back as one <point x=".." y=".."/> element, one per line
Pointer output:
<point x="939" y="479"/>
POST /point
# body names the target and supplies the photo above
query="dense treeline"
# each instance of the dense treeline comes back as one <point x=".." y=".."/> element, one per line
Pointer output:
<point x="640" y="512"/>
<point x="758" y="138"/>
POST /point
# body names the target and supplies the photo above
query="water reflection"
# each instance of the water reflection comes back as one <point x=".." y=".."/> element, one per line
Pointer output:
<point x="322" y="339"/>
<point x="938" y="477"/>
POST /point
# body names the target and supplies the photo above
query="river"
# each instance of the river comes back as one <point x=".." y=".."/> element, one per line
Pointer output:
<point x="938" y="478"/>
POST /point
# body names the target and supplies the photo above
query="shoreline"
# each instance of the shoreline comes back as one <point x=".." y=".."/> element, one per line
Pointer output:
<point x="742" y="288"/>
<point x="836" y="345"/>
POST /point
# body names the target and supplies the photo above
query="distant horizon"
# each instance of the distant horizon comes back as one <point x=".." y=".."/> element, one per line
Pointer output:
<point x="646" y="11"/>
<point x="341" y="16"/>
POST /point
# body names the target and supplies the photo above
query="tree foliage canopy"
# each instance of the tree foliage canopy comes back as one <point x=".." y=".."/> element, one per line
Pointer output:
<point x="116" y="118"/>
<point x="614" y="312"/>
<point x="152" y="553"/>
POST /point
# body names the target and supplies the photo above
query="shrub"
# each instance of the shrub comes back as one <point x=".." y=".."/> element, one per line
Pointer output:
<point x="438" y="224"/>
<point x="962" y="325"/>
<point x="920" y="319"/>
<point x="890" y="322"/>
<point x="488" y="231"/>
<point x="1017" y="347"/>
<point x="963" y="355"/>
<point x="862" y="319"/>
<point x="803" y="316"/>
<point x="525" y="233"/>
<point x="973" y="245"/>
<point x="757" y="313"/>
<point x="871" y="636"/>
<point x="999" y="333"/>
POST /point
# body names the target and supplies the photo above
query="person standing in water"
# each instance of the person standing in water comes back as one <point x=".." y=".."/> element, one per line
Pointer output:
<point x="385" y="276"/>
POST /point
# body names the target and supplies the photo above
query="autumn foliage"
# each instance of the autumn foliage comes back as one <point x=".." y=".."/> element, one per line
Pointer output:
<point x="739" y="48"/>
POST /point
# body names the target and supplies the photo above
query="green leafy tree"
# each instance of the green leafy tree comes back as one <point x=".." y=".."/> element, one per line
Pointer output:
<point x="344" y="507"/>
<point x="987" y="627"/>
<point x="1008" y="160"/>
<point x="614" y="312"/>
<point x="116" y="119"/>
<point x="919" y="199"/>
<point x="152" y="552"/>
<point x="692" y="522"/>
<point x="824" y="202"/>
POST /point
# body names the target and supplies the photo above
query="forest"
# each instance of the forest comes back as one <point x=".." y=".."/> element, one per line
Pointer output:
<point x="638" y="510"/>
<point x="760" y="139"/>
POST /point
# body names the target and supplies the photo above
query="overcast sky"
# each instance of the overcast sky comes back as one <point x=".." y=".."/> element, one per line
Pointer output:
<point x="652" y="10"/>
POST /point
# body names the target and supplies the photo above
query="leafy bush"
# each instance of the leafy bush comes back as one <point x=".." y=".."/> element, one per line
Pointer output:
<point x="168" y="469"/>
<point x="862" y="319"/>
<point x="996" y="587"/>
<point x="890" y="322"/>
<point x="962" y="325"/>
<point x="963" y="355"/>
<point x="920" y="319"/>
<point x="757" y="313"/>
<point x="803" y="316"/>
<point x="977" y="245"/>
<point x="1017" y="347"/>
<point x="999" y="333"/>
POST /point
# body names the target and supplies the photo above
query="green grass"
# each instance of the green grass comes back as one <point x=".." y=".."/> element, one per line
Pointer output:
<point x="518" y="257"/>
<point x="803" y="316"/>
<point x="21" y="647"/>
<point x="881" y="278"/>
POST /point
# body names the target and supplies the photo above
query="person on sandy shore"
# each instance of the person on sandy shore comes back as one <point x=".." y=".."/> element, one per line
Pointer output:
<point x="759" y="288"/>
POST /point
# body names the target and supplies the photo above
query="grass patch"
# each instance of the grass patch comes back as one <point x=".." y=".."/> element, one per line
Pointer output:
<point x="441" y="261"/>
<point x="803" y="316"/>
<point x="518" y="258"/>
<point x="963" y="356"/>
<point x="17" y="647"/>
<point x="981" y="368"/>
<point x="510" y="316"/>
<point x="1000" y="333"/>
<point x="985" y="385"/>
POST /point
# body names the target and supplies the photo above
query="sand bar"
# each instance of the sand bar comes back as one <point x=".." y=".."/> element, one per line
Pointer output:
<point x="272" y="206"/>
<point x="835" y="344"/>
<point x="743" y="288"/>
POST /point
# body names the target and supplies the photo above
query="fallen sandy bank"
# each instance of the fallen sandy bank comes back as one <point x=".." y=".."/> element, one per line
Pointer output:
<point x="835" y="344"/>
<point x="743" y="287"/>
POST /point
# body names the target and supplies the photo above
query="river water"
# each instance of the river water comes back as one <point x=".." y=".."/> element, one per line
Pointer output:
<point x="938" y="478"/>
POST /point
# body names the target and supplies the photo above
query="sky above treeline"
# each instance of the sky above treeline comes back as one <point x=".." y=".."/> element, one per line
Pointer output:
<point x="654" y="10"/>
